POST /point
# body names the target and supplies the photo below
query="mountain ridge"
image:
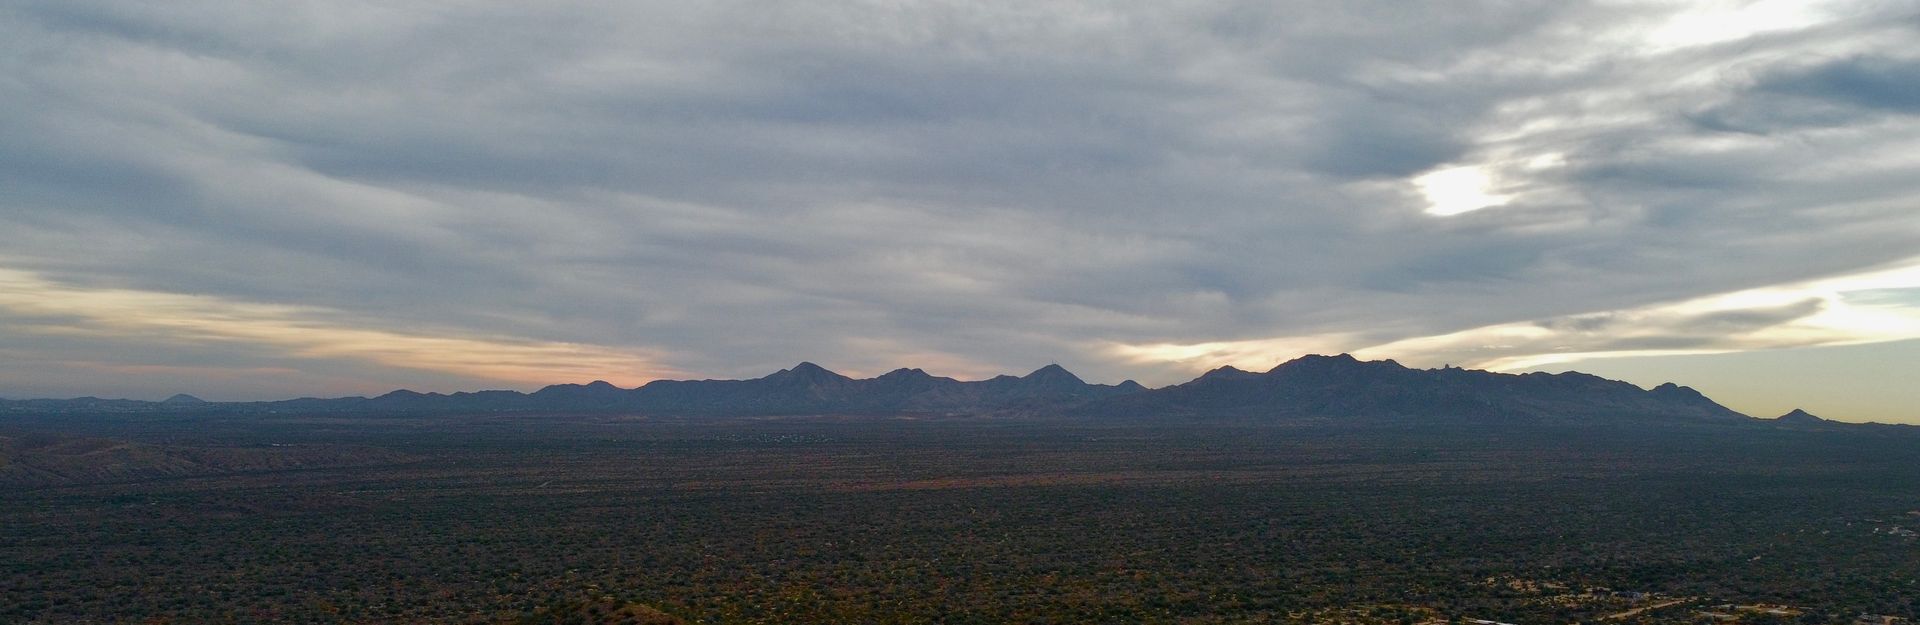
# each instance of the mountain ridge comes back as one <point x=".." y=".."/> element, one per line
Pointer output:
<point x="1341" y="386"/>
<point x="1307" y="389"/>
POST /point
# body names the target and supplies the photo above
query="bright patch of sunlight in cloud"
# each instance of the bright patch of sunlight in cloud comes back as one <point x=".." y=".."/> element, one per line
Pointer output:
<point x="1694" y="326"/>
<point x="1253" y="355"/>
<point x="1702" y="23"/>
<point x="1807" y="314"/>
<point x="303" y="332"/>
<point x="1456" y="190"/>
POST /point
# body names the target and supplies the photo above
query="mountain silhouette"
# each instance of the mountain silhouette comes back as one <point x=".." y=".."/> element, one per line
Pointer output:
<point x="811" y="389"/>
<point x="1801" y="419"/>
<point x="1799" y="416"/>
<point x="1308" y="389"/>
<point x="1343" y="387"/>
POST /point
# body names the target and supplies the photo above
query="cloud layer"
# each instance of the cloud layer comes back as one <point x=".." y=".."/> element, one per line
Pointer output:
<point x="1134" y="190"/>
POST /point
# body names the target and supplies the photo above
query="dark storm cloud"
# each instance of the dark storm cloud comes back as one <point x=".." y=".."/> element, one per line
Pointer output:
<point x="728" y="188"/>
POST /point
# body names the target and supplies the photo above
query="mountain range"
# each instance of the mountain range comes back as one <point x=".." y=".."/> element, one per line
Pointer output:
<point x="1305" y="389"/>
<point x="1342" y="387"/>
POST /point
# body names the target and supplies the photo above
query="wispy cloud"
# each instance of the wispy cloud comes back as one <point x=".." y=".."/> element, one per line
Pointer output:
<point x="725" y="188"/>
<point x="152" y="320"/>
<point x="1870" y="307"/>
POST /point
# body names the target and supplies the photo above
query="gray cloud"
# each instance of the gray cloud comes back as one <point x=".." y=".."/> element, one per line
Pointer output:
<point x="983" y="187"/>
<point x="1829" y="94"/>
<point x="1873" y="82"/>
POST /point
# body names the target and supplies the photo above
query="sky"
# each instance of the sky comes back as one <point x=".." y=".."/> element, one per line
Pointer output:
<point x="246" y="200"/>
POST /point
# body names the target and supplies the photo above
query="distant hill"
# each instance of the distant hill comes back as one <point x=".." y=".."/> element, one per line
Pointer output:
<point x="1304" y="390"/>
<point x="806" y="388"/>
<point x="1342" y="387"/>
<point x="1801" y="419"/>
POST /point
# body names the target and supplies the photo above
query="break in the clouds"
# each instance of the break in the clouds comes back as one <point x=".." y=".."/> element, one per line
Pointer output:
<point x="241" y="199"/>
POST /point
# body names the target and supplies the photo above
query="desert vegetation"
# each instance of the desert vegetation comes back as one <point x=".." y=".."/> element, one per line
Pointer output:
<point x="500" y="519"/>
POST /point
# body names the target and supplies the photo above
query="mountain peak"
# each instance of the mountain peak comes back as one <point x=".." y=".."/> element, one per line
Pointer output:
<point x="1227" y="372"/>
<point x="1800" y="416"/>
<point x="183" y="399"/>
<point x="1336" y="362"/>
<point x="905" y="380"/>
<point x="809" y="372"/>
<point x="904" y="372"/>
<point x="1670" y="390"/>
<point x="1054" y="375"/>
<point x="596" y="388"/>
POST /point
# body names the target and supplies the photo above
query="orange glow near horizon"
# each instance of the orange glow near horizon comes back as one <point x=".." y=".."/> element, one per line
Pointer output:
<point x="308" y="332"/>
<point x="1838" y="320"/>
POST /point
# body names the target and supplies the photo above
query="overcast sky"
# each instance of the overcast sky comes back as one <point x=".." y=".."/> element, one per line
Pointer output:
<point x="248" y="200"/>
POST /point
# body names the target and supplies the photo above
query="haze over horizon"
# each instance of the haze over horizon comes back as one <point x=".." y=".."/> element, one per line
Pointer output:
<point x="243" y="201"/>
